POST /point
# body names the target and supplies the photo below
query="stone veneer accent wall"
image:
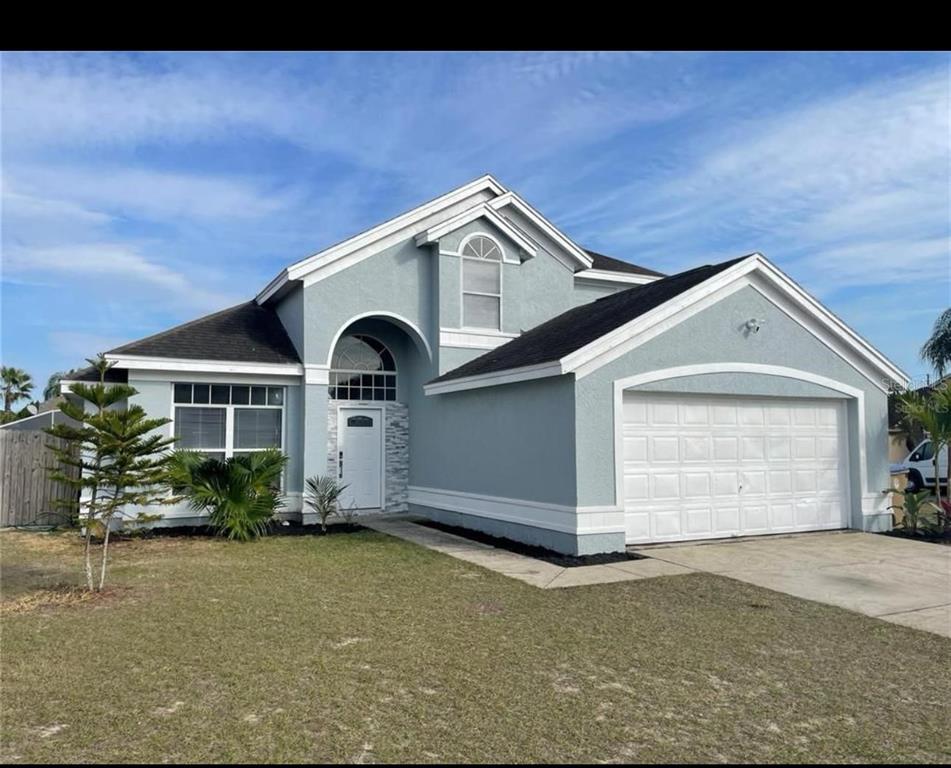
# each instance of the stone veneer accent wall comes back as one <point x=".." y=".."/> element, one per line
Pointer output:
<point x="396" y="451"/>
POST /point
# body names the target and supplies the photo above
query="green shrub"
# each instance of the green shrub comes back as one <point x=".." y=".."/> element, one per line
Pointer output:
<point x="322" y="494"/>
<point x="241" y="495"/>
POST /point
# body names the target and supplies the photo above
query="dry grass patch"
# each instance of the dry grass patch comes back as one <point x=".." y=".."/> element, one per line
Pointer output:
<point x="363" y="648"/>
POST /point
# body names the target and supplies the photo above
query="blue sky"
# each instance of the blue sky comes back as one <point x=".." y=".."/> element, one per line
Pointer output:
<point x="143" y="190"/>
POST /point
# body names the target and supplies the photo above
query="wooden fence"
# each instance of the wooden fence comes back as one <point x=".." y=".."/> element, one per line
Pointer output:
<point x="26" y="491"/>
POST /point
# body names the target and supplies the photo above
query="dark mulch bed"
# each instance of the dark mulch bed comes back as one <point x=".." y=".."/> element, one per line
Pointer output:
<point x="289" y="528"/>
<point x="898" y="533"/>
<point x="529" y="550"/>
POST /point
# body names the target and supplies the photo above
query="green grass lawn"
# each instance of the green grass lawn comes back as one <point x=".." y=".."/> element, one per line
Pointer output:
<point x="363" y="648"/>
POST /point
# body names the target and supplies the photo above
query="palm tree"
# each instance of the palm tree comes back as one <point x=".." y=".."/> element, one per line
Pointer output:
<point x="241" y="495"/>
<point x="933" y="412"/>
<point x="52" y="383"/>
<point x="937" y="350"/>
<point x="16" y="384"/>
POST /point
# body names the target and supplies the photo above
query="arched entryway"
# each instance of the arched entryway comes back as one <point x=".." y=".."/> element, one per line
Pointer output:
<point x="375" y="363"/>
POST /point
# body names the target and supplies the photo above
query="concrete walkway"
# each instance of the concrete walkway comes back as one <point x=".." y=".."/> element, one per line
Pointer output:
<point x="896" y="580"/>
<point x="905" y="582"/>
<point x="538" y="573"/>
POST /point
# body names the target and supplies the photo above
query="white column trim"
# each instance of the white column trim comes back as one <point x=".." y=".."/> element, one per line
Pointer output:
<point x="554" y="517"/>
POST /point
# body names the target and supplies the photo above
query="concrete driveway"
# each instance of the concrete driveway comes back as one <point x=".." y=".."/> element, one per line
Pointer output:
<point x="905" y="582"/>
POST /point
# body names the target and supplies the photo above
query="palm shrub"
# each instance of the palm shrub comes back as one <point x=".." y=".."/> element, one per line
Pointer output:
<point x="915" y="503"/>
<point x="932" y="410"/>
<point x="322" y="494"/>
<point x="241" y="495"/>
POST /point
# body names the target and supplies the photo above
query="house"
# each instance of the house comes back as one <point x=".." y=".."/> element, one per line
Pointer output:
<point x="470" y="362"/>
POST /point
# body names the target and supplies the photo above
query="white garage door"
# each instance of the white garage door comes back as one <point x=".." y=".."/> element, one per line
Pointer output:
<point x="704" y="466"/>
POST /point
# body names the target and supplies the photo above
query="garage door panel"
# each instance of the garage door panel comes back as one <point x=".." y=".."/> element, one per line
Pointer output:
<point x="665" y="449"/>
<point x="665" y="485"/>
<point x="636" y="487"/>
<point x="753" y="448"/>
<point x="727" y="520"/>
<point x="804" y="447"/>
<point x="698" y="521"/>
<point x="663" y="413"/>
<point x="807" y="514"/>
<point x="778" y="448"/>
<point x="694" y="414"/>
<point x="667" y="523"/>
<point x="696" y="448"/>
<point x="635" y="449"/>
<point x="726" y="483"/>
<point x="782" y="516"/>
<point x="751" y="415"/>
<point x="755" y="518"/>
<point x="698" y="466"/>
<point x="696" y="486"/>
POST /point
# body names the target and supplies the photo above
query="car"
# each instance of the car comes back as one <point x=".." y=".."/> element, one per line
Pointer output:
<point x="919" y="464"/>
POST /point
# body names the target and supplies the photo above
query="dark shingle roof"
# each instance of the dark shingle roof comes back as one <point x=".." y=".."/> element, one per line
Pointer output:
<point x="245" y="333"/>
<point x="600" y="261"/>
<point x="90" y="374"/>
<point x="578" y="327"/>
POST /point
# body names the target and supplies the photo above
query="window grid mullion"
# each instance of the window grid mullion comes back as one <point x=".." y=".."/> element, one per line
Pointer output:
<point x="229" y="431"/>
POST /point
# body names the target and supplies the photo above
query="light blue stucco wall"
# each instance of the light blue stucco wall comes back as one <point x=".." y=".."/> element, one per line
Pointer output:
<point x="586" y="291"/>
<point x="533" y="291"/>
<point x="397" y="280"/>
<point x="515" y="441"/>
<point x="290" y="310"/>
<point x="716" y="335"/>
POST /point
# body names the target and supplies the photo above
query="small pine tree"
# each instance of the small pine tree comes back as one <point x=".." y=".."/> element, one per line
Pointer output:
<point x="120" y="463"/>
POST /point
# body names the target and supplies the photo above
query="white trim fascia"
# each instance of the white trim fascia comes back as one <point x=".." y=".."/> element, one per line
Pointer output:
<point x="316" y="374"/>
<point x="576" y="521"/>
<point x="606" y="276"/>
<point x="34" y="416"/>
<point x="510" y="198"/>
<point x="482" y="210"/>
<point x="323" y="259"/>
<point x="700" y="369"/>
<point x="754" y="271"/>
<point x="462" y="338"/>
<point x="144" y="363"/>
<point x="840" y="329"/>
<point x="211" y="377"/>
<point x="509" y="376"/>
<point x="640" y="330"/>
<point x="381" y="313"/>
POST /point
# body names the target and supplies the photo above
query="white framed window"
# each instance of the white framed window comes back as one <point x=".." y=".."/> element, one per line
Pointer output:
<point x="362" y="368"/>
<point x="221" y="420"/>
<point x="481" y="258"/>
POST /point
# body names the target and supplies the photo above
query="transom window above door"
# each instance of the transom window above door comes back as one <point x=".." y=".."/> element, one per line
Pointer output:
<point x="481" y="283"/>
<point x="362" y="368"/>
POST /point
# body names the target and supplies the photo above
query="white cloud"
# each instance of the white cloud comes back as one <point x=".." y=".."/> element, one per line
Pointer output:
<point x="862" y="175"/>
<point x="104" y="266"/>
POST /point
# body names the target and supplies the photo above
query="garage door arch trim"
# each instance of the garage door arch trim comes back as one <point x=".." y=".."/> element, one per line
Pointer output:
<point x="679" y="372"/>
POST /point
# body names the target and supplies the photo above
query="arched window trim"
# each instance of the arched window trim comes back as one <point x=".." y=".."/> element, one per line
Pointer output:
<point x="463" y="291"/>
<point x="472" y="236"/>
<point x="360" y="384"/>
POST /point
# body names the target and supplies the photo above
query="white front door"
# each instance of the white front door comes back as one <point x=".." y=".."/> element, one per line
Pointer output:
<point x="360" y="457"/>
<point x="707" y="466"/>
